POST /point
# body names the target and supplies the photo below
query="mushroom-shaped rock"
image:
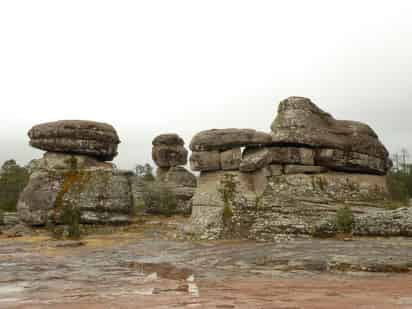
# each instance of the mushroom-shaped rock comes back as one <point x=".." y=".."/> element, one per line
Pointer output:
<point x="168" y="151"/>
<point x="301" y="123"/>
<point x="95" y="139"/>
<point x="224" y="139"/>
<point x="97" y="189"/>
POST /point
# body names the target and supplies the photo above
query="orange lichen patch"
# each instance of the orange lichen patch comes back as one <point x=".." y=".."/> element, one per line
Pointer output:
<point x="69" y="180"/>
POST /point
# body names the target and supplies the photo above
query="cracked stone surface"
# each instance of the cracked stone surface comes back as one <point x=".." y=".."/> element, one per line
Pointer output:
<point x="143" y="266"/>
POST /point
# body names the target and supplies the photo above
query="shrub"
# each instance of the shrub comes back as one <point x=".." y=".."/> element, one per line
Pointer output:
<point x="70" y="224"/>
<point x="13" y="180"/>
<point x="159" y="199"/>
<point x="398" y="186"/>
<point x="227" y="191"/>
<point x="344" y="220"/>
<point x="145" y="172"/>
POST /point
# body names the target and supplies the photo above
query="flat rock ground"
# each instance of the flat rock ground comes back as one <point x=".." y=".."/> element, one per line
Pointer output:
<point x="142" y="266"/>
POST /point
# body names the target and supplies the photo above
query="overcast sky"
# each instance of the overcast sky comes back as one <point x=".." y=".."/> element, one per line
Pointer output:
<point x="150" y="67"/>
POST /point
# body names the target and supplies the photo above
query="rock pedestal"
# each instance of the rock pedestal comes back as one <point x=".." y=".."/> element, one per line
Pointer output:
<point x="170" y="155"/>
<point x="97" y="189"/>
<point x="73" y="174"/>
<point x="288" y="181"/>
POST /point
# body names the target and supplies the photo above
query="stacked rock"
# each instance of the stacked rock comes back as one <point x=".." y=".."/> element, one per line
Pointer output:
<point x="221" y="149"/>
<point x="289" y="179"/>
<point x="170" y="156"/>
<point x="340" y="145"/>
<point x="74" y="173"/>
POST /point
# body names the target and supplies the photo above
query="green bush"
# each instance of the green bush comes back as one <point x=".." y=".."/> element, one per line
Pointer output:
<point x="144" y="172"/>
<point x="399" y="186"/>
<point x="344" y="220"/>
<point x="69" y="226"/>
<point x="13" y="180"/>
<point x="159" y="199"/>
<point x="227" y="191"/>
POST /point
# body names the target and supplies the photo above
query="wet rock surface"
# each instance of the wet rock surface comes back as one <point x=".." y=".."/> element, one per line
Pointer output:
<point x="147" y="268"/>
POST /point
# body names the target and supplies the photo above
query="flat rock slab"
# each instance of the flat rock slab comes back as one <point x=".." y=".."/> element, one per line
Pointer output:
<point x="113" y="271"/>
<point x="90" y="138"/>
<point x="224" y="139"/>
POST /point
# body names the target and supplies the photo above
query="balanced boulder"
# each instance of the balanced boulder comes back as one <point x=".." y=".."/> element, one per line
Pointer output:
<point x="301" y="123"/>
<point x="95" y="139"/>
<point x="168" y="150"/>
<point x="224" y="139"/>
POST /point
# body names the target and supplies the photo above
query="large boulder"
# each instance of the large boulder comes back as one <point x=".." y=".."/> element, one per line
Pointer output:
<point x="254" y="159"/>
<point x="205" y="161"/>
<point x="101" y="193"/>
<point x="168" y="150"/>
<point x="301" y="123"/>
<point x="230" y="159"/>
<point x="224" y="139"/>
<point x="90" y="138"/>
<point x="351" y="161"/>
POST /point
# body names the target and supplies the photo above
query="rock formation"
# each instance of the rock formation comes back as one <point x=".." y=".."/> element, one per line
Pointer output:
<point x="170" y="155"/>
<point x="168" y="151"/>
<point x="73" y="174"/>
<point x="220" y="149"/>
<point x="288" y="181"/>
<point x="88" y="138"/>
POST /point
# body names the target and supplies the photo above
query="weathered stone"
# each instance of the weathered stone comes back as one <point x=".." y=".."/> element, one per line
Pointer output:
<point x="68" y="162"/>
<point x="161" y="173"/>
<point x="168" y="140"/>
<point x="254" y="159"/>
<point x="230" y="159"/>
<point x="168" y="150"/>
<point x="181" y="177"/>
<point x="205" y="161"/>
<point x="291" y="155"/>
<point x="169" y="155"/>
<point x="90" y="138"/>
<point x="102" y="193"/>
<point x="384" y="223"/>
<point x="265" y="207"/>
<point x="9" y="218"/>
<point x="351" y="161"/>
<point x="18" y="230"/>
<point x="209" y="206"/>
<point x="300" y="122"/>
<point x="224" y="139"/>
<point x="276" y="169"/>
<point x="304" y="169"/>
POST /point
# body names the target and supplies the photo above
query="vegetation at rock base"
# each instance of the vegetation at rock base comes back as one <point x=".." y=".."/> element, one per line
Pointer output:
<point x="13" y="179"/>
<point x="400" y="186"/>
<point x="227" y="191"/>
<point x="344" y="220"/>
<point x="399" y="179"/>
<point x="144" y="172"/>
<point x="158" y="199"/>
<point x="69" y="224"/>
